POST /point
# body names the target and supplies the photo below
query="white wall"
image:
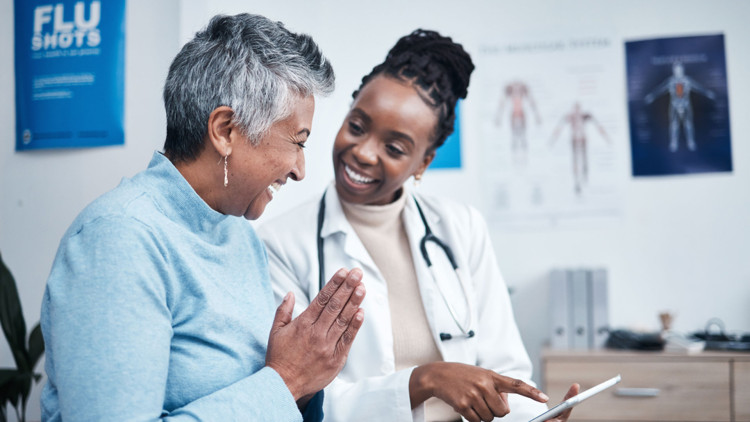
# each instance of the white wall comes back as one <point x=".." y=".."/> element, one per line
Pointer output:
<point x="681" y="244"/>
<point x="42" y="191"/>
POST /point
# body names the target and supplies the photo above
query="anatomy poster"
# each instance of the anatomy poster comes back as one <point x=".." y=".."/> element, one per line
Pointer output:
<point x="552" y="115"/>
<point x="678" y="105"/>
<point x="69" y="61"/>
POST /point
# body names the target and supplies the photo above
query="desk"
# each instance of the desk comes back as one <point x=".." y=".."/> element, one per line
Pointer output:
<point x="656" y="386"/>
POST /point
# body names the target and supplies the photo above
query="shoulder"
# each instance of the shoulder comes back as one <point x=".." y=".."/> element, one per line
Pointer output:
<point x="301" y="218"/>
<point x="123" y="206"/>
<point x="449" y="211"/>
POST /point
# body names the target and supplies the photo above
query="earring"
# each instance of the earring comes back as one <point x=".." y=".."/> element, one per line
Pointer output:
<point x="226" y="173"/>
<point x="417" y="180"/>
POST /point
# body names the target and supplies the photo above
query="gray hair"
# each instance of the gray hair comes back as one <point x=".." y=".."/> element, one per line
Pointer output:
<point x="249" y="63"/>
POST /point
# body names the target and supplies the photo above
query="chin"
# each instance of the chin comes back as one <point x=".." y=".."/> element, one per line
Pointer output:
<point x="349" y="195"/>
<point x="254" y="212"/>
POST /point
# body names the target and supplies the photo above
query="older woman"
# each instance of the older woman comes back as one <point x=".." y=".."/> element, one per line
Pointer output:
<point x="159" y="302"/>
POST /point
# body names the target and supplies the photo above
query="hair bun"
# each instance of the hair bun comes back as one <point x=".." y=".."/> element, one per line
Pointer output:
<point x="437" y="65"/>
<point x="423" y="47"/>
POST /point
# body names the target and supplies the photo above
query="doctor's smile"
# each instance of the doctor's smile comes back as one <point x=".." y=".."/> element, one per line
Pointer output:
<point x="357" y="178"/>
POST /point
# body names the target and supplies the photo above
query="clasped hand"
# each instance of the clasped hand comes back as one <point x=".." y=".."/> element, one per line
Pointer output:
<point x="310" y="350"/>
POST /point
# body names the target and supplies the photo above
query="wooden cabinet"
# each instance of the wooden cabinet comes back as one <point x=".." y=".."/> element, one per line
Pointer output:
<point x="655" y="386"/>
<point x="741" y="396"/>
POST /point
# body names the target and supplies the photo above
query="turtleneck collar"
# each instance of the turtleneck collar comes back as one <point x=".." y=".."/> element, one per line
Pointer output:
<point x="177" y="198"/>
<point x="374" y="215"/>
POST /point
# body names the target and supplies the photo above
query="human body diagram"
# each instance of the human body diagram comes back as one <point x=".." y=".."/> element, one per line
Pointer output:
<point x="679" y="87"/>
<point x="577" y="120"/>
<point x="516" y="93"/>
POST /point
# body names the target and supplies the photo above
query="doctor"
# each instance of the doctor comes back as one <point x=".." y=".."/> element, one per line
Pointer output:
<point x="439" y="343"/>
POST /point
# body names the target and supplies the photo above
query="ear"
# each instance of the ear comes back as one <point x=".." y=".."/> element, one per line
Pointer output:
<point x="222" y="133"/>
<point x="426" y="160"/>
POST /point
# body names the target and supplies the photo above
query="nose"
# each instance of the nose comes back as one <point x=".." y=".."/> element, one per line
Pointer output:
<point x="298" y="171"/>
<point x="366" y="151"/>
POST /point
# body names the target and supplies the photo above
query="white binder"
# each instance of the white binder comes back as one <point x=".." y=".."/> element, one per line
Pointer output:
<point x="598" y="308"/>
<point x="558" y="305"/>
<point x="578" y="288"/>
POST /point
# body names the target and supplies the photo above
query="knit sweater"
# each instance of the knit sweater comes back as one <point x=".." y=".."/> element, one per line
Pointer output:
<point x="158" y="307"/>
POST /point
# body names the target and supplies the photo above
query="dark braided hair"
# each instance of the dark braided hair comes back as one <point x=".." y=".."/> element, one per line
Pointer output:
<point x="439" y="67"/>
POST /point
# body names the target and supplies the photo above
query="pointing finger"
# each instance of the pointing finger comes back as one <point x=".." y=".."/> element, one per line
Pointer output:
<point x="512" y="385"/>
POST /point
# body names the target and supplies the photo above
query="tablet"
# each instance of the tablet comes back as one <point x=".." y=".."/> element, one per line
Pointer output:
<point x="567" y="404"/>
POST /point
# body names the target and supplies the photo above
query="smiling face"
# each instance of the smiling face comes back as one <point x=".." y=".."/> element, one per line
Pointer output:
<point x="257" y="171"/>
<point x="385" y="139"/>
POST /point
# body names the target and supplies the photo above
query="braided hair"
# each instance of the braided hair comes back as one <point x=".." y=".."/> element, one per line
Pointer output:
<point x="437" y="66"/>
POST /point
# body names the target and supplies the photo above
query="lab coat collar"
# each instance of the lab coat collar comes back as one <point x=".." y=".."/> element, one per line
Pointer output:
<point x="335" y="222"/>
<point x="412" y="213"/>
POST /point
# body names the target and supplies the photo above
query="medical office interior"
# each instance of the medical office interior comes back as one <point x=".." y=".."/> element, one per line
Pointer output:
<point x="551" y="141"/>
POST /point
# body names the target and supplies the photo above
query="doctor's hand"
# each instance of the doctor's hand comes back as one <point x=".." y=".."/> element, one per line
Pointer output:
<point x="309" y="351"/>
<point x="476" y="393"/>
<point x="563" y="417"/>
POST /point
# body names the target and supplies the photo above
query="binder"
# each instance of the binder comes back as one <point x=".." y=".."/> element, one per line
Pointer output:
<point x="598" y="308"/>
<point x="558" y="305"/>
<point x="578" y="288"/>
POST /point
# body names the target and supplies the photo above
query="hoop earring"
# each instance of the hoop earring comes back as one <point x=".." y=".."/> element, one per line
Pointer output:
<point x="226" y="173"/>
<point x="417" y="180"/>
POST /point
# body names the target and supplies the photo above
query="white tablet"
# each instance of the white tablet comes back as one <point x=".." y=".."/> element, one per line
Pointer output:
<point x="567" y="404"/>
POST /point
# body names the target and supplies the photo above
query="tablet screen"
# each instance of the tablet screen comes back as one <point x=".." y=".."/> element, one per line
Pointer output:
<point x="567" y="404"/>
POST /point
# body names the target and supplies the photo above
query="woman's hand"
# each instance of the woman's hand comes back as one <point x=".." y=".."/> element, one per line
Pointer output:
<point x="563" y="417"/>
<point x="309" y="351"/>
<point x="476" y="393"/>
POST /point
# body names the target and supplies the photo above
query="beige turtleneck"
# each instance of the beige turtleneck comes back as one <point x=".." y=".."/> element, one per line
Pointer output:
<point x="382" y="232"/>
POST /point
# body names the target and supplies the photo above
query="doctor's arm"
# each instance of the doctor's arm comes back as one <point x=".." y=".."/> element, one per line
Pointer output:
<point x="500" y="347"/>
<point x="476" y="393"/>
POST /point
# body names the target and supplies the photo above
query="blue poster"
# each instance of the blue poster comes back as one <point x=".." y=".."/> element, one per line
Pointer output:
<point x="448" y="156"/>
<point x="69" y="62"/>
<point x="678" y="105"/>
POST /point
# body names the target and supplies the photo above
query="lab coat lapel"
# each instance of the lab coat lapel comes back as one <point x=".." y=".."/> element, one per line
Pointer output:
<point x="336" y="222"/>
<point x="430" y="296"/>
<point x="438" y="316"/>
<point x="374" y="344"/>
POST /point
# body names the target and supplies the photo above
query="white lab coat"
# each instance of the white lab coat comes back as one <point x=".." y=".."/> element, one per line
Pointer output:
<point x="369" y="388"/>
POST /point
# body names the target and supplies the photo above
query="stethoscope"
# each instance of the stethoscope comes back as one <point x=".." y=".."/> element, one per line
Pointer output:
<point x="464" y="327"/>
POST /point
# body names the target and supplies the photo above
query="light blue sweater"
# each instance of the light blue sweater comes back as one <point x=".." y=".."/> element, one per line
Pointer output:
<point x="157" y="306"/>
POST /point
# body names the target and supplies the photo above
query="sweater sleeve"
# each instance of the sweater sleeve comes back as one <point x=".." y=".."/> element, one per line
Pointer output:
<point x="107" y="327"/>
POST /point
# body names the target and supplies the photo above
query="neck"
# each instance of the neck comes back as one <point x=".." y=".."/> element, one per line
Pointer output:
<point x="205" y="175"/>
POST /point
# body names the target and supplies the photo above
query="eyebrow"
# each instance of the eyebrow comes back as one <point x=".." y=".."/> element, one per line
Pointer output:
<point x="393" y="133"/>
<point x="305" y="131"/>
<point x="401" y="135"/>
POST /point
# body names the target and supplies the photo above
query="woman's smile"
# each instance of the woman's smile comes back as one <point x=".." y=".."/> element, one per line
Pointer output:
<point x="358" y="178"/>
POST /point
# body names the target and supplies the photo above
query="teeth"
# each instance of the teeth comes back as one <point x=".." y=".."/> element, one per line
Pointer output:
<point x="275" y="187"/>
<point x="356" y="176"/>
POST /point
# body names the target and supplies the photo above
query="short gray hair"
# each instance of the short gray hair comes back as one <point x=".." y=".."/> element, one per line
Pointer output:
<point x="249" y="63"/>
